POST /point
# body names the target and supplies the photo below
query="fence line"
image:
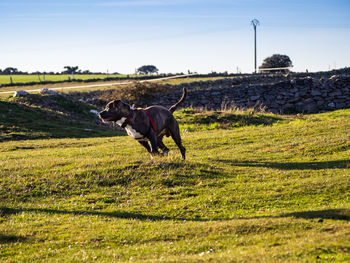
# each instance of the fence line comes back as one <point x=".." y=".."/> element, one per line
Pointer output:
<point x="271" y="69"/>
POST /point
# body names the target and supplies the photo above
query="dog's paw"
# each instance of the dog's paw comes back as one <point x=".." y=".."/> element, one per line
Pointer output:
<point x="165" y="153"/>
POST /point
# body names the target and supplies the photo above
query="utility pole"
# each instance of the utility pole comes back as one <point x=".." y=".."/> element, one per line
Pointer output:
<point x="255" y="23"/>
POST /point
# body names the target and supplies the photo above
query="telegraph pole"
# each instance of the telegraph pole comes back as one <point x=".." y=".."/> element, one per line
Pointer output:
<point x="255" y="23"/>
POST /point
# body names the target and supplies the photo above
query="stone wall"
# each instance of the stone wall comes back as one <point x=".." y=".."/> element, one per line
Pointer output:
<point x="282" y="94"/>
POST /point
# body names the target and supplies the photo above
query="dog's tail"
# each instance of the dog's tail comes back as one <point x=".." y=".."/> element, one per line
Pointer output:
<point x="173" y="108"/>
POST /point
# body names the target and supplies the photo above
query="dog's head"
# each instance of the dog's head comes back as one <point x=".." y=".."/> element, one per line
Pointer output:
<point x="114" y="111"/>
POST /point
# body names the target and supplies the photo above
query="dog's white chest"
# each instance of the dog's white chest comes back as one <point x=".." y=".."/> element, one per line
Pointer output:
<point x="130" y="130"/>
<point x="133" y="133"/>
<point x="121" y="121"/>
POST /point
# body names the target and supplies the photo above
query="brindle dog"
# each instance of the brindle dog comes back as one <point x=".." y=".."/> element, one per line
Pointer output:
<point x="146" y="125"/>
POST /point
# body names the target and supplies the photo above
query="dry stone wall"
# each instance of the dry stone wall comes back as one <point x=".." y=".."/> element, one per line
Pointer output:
<point x="281" y="94"/>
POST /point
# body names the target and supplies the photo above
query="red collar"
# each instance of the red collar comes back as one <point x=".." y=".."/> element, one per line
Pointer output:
<point x="150" y="119"/>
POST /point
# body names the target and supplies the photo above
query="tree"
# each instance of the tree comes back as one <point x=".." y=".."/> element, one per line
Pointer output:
<point x="9" y="71"/>
<point x="276" y="61"/>
<point x="70" y="70"/>
<point x="147" y="69"/>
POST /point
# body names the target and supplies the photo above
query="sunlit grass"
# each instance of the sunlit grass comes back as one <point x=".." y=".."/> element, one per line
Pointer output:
<point x="61" y="77"/>
<point x="276" y="189"/>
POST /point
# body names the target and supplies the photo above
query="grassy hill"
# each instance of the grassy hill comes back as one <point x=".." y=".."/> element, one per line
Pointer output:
<point x="255" y="188"/>
<point x="46" y="116"/>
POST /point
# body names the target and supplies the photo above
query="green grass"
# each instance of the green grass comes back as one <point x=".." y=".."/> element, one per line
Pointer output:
<point x="4" y="79"/>
<point x="178" y="81"/>
<point x="27" y="118"/>
<point x="275" y="189"/>
<point x="196" y="120"/>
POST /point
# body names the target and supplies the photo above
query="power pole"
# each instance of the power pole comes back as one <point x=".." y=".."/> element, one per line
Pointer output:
<point x="255" y="23"/>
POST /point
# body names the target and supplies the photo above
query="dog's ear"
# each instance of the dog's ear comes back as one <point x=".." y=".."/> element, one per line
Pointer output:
<point x="125" y="104"/>
<point x="125" y="107"/>
<point x="115" y="103"/>
<point x="109" y="105"/>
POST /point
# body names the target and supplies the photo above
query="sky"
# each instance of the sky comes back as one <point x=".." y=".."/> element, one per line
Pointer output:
<point x="174" y="35"/>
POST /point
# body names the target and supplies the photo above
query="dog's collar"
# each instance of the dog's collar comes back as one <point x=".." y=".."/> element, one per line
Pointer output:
<point x="128" y="119"/>
<point x="126" y="122"/>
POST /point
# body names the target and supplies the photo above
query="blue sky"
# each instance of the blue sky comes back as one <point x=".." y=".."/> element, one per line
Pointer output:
<point x="175" y="36"/>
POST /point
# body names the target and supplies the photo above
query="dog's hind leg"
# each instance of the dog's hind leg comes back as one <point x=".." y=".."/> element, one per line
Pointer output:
<point x="175" y="134"/>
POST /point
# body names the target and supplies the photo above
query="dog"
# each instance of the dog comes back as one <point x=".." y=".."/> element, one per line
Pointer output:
<point x="147" y="125"/>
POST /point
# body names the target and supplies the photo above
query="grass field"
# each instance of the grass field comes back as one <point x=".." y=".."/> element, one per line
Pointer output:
<point x="4" y="79"/>
<point x="39" y="86"/>
<point x="255" y="188"/>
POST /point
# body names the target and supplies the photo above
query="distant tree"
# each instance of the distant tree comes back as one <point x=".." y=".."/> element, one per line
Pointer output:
<point x="277" y="61"/>
<point x="70" y="70"/>
<point x="10" y="70"/>
<point x="147" y="69"/>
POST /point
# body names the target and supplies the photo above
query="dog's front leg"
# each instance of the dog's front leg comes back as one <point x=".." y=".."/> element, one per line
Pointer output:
<point x="146" y="145"/>
<point x="154" y="143"/>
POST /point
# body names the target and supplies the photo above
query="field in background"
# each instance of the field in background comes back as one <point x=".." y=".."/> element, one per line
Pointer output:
<point x="38" y="78"/>
<point x="255" y="188"/>
<point x="102" y="85"/>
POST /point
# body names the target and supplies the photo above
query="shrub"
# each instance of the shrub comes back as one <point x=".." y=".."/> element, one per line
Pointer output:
<point x="136" y="93"/>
